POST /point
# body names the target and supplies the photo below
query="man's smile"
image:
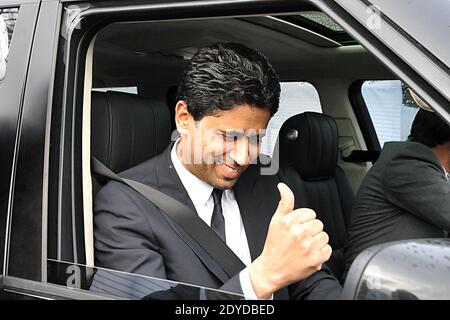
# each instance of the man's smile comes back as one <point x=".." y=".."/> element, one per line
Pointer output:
<point x="229" y="171"/>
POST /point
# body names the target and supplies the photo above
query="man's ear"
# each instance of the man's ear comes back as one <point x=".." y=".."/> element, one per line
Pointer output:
<point x="182" y="117"/>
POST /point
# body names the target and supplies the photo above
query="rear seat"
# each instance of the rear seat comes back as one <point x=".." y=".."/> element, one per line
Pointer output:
<point x="127" y="129"/>
<point x="308" y="151"/>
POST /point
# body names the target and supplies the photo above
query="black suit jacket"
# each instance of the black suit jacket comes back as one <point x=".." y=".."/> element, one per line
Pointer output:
<point x="405" y="195"/>
<point x="133" y="235"/>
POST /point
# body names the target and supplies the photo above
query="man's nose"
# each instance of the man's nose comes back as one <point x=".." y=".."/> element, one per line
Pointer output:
<point x="240" y="152"/>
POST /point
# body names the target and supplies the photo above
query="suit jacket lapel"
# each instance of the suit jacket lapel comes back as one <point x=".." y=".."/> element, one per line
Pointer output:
<point x="249" y="198"/>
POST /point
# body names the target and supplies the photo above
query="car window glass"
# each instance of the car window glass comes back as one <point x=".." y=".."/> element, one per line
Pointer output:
<point x="391" y="109"/>
<point x="132" y="90"/>
<point x="8" y="17"/>
<point x="295" y="98"/>
<point x="119" y="284"/>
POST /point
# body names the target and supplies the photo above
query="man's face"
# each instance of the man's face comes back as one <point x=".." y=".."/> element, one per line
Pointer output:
<point x="218" y="148"/>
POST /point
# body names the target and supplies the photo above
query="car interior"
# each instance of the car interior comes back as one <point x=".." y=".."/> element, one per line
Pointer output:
<point x="131" y="77"/>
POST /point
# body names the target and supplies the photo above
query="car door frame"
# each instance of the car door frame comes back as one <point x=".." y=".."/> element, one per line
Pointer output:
<point x="11" y="96"/>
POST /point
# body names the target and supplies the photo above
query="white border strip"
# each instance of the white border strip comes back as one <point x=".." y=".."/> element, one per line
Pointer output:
<point x="86" y="160"/>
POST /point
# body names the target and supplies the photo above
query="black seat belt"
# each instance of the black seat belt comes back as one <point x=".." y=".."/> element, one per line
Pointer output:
<point x="185" y="217"/>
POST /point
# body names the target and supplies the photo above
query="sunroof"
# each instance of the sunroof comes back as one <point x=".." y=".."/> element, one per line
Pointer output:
<point x="322" y="19"/>
<point x="322" y="24"/>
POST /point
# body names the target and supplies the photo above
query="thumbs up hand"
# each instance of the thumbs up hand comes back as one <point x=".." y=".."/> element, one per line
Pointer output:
<point x="296" y="246"/>
<point x="286" y="204"/>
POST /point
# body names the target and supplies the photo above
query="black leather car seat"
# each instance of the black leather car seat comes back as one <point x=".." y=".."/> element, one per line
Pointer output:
<point x="308" y="151"/>
<point x="127" y="129"/>
<point x="171" y="101"/>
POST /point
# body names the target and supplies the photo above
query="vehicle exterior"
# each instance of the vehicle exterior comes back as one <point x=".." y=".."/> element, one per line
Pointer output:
<point x="404" y="270"/>
<point x="43" y="180"/>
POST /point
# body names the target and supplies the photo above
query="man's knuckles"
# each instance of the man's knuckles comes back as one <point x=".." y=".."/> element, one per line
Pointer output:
<point x="297" y="231"/>
<point x="326" y="252"/>
<point x="320" y="240"/>
<point x="313" y="227"/>
<point x="327" y="249"/>
<point x="303" y="215"/>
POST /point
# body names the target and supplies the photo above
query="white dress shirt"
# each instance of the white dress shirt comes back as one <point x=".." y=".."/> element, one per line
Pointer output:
<point x="200" y="193"/>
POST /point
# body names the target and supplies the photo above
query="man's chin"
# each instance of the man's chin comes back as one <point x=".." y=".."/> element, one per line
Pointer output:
<point x="221" y="181"/>
<point x="224" y="183"/>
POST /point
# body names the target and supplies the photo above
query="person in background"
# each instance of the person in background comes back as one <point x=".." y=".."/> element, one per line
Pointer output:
<point x="406" y="194"/>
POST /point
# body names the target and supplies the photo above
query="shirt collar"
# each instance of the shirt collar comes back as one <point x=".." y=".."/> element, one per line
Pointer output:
<point x="198" y="190"/>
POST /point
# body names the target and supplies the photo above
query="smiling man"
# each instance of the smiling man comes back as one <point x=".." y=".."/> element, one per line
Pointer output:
<point x="228" y="94"/>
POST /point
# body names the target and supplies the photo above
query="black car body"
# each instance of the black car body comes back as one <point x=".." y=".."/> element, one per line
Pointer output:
<point x="53" y="60"/>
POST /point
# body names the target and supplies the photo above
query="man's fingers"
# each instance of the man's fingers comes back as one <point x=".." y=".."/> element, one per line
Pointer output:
<point x="326" y="252"/>
<point x="303" y="215"/>
<point x="321" y="256"/>
<point x="313" y="227"/>
<point x="320" y="240"/>
<point x="286" y="204"/>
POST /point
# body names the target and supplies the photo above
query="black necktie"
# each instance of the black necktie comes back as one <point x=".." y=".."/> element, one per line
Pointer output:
<point x="217" y="219"/>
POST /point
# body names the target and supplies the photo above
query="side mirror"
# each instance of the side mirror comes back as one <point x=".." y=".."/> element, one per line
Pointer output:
<point x="3" y="47"/>
<point x="402" y="270"/>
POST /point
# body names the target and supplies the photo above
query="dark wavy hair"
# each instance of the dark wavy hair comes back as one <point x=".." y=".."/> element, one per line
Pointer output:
<point x="228" y="74"/>
<point x="429" y="129"/>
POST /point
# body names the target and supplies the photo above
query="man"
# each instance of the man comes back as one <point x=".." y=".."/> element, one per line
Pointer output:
<point x="226" y="99"/>
<point x="406" y="194"/>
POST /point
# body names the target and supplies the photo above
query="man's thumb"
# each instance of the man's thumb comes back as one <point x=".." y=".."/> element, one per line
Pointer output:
<point x="286" y="203"/>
